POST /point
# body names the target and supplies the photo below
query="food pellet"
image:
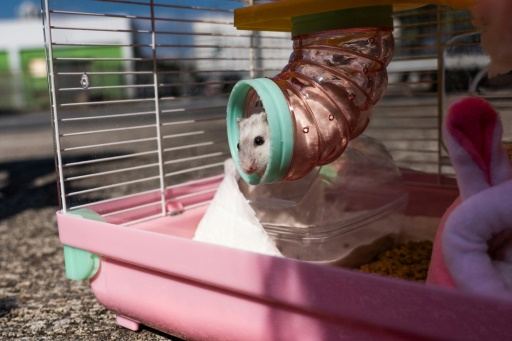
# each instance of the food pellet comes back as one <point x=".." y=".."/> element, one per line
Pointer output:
<point x="407" y="261"/>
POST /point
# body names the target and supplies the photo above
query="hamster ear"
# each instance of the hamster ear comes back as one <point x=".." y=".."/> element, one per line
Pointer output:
<point x="238" y="120"/>
<point x="473" y="134"/>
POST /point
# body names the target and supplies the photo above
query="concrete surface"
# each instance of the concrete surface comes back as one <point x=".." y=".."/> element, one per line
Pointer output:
<point x="37" y="301"/>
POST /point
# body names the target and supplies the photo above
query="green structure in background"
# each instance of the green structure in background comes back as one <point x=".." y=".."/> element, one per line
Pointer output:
<point x="35" y="84"/>
<point x="6" y="98"/>
<point x="4" y="61"/>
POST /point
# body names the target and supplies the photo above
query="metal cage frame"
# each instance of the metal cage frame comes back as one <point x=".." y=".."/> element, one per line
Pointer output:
<point x="176" y="74"/>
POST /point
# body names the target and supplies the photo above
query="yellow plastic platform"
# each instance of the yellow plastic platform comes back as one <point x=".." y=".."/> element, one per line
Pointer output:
<point x="276" y="16"/>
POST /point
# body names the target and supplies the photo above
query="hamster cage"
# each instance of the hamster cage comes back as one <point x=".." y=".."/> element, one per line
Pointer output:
<point x="138" y="95"/>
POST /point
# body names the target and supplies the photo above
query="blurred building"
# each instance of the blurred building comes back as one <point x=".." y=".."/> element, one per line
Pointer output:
<point x="23" y="70"/>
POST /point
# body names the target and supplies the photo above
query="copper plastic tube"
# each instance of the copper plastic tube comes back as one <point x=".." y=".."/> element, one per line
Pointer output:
<point x="327" y="92"/>
<point x="331" y="83"/>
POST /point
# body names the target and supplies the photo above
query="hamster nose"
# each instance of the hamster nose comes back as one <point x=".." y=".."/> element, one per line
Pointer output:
<point x="249" y="169"/>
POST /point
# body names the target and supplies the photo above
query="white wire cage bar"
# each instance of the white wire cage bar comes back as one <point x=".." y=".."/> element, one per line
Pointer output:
<point x="139" y="91"/>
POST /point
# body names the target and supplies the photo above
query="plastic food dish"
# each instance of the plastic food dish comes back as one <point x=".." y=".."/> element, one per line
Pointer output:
<point x="344" y="213"/>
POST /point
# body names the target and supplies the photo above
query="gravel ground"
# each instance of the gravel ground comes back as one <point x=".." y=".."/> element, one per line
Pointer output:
<point x="37" y="301"/>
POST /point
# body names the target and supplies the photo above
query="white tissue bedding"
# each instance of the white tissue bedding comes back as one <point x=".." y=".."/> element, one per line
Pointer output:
<point x="231" y="221"/>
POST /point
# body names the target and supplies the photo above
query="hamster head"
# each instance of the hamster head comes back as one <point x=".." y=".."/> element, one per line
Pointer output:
<point x="254" y="143"/>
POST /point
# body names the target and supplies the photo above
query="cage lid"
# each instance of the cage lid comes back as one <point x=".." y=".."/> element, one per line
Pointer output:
<point x="276" y="16"/>
<point x="373" y="16"/>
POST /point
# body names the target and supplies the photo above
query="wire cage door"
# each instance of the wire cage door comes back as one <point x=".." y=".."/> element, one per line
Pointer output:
<point x="139" y="91"/>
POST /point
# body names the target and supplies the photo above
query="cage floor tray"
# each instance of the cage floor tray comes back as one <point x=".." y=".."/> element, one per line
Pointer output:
<point x="154" y="274"/>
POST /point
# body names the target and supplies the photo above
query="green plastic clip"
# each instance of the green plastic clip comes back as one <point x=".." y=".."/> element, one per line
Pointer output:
<point x="81" y="264"/>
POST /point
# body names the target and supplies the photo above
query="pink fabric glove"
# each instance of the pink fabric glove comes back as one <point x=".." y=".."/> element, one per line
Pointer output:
<point x="473" y="246"/>
<point x="438" y="274"/>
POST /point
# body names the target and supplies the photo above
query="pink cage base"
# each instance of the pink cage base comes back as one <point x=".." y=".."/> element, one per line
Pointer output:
<point x="154" y="274"/>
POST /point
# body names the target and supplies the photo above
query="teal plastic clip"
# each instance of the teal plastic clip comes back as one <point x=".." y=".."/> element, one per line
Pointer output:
<point x="81" y="264"/>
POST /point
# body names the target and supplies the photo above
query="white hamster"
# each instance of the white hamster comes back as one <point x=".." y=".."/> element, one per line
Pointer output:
<point x="254" y="143"/>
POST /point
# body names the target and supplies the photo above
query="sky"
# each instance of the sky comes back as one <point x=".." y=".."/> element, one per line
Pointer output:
<point x="9" y="8"/>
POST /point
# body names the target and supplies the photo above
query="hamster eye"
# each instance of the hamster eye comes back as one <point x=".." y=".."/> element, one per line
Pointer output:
<point x="258" y="140"/>
<point x="238" y="146"/>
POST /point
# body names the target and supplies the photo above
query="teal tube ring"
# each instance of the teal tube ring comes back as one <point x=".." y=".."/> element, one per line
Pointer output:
<point x="280" y="124"/>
